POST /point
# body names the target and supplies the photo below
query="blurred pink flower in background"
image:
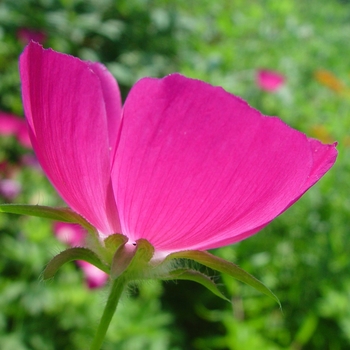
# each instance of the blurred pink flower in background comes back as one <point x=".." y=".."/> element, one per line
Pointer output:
<point x="7" y="169"/>
<point x="10" y="189"/>
<point x="183" y="164"/>
<point x="74" y="236"/>
<point x="269" y="80"/>
<point x="11" y="125"/>
<point x="69" y="234"/>
<point x="31" y="161"/>
<point x="95" y="278"/>
<point x="26" y="35"/>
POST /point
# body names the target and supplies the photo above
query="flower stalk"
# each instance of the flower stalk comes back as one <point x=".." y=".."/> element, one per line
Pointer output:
<point x="111" y="305"/>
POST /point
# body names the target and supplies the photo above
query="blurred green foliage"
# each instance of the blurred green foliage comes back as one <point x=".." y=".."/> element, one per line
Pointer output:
<point x="303" y="256"/>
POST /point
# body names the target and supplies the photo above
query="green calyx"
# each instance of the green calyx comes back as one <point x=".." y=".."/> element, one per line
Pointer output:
<point x="134" y="261"/>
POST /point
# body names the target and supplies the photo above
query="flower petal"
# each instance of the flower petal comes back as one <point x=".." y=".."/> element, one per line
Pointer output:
<point x="197" y="166"/>
<point x="113" y="103"/>
<point x="67" y="115"/>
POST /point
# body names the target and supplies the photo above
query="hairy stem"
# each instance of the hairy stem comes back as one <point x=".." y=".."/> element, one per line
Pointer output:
<point x="112" y="302"/>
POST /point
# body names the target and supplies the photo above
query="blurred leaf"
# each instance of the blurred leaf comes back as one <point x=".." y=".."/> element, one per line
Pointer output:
<point x="306" y="331"/>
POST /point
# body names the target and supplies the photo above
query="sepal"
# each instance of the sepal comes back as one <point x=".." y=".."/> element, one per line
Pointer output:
<point x="70" y="255"/>
<point x="223" y="266"/>
<point x="122" y="259"/>
<point x="59" y="214"/>
<point x="132" y="259"/>
<point x="144" y="253"/>
<point x="112" y="243"/>
<point x="195" y="276"/>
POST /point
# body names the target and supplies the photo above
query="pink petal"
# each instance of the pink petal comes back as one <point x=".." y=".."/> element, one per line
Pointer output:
<point x="197" y="167"/>
<point x="95" y="278"/>
<point x="67" y="115"/>
<point x="269" y="80"/>
<point x="113" y="103"/>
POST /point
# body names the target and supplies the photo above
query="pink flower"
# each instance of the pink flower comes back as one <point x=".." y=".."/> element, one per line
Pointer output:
<point x="269" y="80"/>
<point x="30" y="161"/>
<point x="26" y="35"/>
<point x="182" y="164"/>
<point x="70" y="234"/>
<point x="74" y="236"/>
<point x="10" y="188"/>
<point x="11" y="125"/>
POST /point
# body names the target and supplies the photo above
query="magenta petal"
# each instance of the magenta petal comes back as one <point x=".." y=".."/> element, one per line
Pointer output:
<point x="112" y="99"/>
<point x="67" y="116"/>
<point x="197" y="167"/>
<point x="323" y="157"/>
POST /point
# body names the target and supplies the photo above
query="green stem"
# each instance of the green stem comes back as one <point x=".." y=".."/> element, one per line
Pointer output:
<point x="112" y="302"/>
